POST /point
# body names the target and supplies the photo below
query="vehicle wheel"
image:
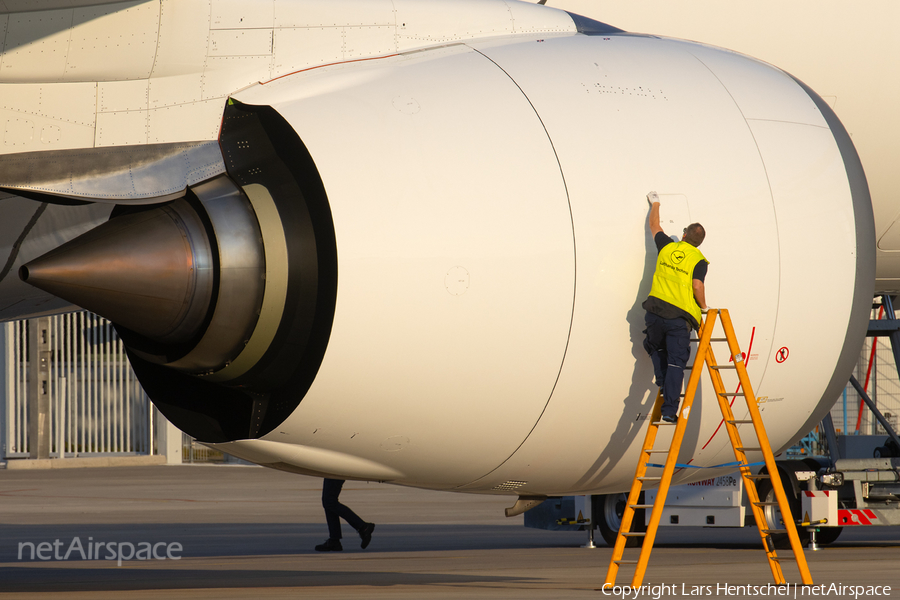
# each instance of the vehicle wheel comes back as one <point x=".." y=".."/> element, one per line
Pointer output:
<point x="827" y="535"/>
<point x="773" y="513"/>
<point x="609" y="518"/>
<point x="888" y="450"/>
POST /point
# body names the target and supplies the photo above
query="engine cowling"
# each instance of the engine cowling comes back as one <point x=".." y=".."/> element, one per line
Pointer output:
<point x="465" y="255"/>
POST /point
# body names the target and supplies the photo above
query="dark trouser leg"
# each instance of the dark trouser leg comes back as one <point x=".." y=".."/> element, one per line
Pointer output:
<point x="331" y="489"/>
<point x="654" y="344"/>
<point x="335" y="511"/>
<point x="678" y="349"/>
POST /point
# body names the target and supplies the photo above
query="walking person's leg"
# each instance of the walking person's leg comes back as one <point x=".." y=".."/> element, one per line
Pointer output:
<point x="335" y="511"/>
<point x="331" y="489"/>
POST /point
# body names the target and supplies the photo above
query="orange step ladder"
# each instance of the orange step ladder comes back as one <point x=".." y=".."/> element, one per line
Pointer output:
<point x="705" y="356"/>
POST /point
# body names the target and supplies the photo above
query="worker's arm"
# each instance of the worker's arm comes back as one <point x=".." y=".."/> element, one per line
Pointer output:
<point x="654" y="219"/>
<point x="700" y="293"/>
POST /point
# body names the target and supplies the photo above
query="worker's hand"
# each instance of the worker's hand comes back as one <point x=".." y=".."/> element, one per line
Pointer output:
<point x="652" y="197"/>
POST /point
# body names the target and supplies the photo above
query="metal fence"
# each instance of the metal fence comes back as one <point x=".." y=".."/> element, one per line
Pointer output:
<point x="879" y="369"/>
<point x="876" y="370"/>
<point x="97" y="406"/>
<point x="195" y="452"/>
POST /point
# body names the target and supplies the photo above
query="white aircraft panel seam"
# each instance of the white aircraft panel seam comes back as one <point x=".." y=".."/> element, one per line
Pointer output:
<point x="97" y="114"/>
<point x="158" y="39"/>
<point x="68" y="45"/>
<point x="48" y="117"/>
<point x="289" y="27"/>
<point x="177" y="104"/>
<point x="4" y="29"/>
<point x="761" y="376"/>
<point x="562" y="176"/>
<point x="334" y="64"/>
<point x="785" y="122"/>
<point x="512" y="18"/>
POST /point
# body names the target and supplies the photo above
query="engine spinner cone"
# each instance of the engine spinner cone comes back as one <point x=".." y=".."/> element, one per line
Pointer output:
<point x="151" y="272"/>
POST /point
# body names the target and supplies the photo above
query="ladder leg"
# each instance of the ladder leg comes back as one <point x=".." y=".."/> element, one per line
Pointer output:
<point x="675" y="446"/>
<point x="766" y="449"/>
<point x="635" y="493"/>
<point x="741" y="457"/>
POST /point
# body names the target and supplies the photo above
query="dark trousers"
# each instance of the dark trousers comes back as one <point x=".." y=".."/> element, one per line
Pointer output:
<point x="668" y="343"/>
<point x="335" y="511"/>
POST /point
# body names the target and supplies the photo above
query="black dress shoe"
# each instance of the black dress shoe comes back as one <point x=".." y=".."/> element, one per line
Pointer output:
<point x="330" y="545"/>
<point x="669" y="418"/>
<point x="366" y="534"/>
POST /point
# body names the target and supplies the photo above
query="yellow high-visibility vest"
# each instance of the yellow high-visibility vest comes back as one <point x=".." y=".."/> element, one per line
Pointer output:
<point x="673" y="279"/>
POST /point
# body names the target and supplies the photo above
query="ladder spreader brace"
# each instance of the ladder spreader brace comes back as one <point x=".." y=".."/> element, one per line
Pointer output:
<point x="706" y="356"/>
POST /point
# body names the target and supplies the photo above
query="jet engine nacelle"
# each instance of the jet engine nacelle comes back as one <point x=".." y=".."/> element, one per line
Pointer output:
<point x="452" y="251"/>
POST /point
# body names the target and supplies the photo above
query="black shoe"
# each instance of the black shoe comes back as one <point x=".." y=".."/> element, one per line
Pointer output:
<point x="366" y="534"/>
<point x="330" y="545"/>
<point x="669" y="418"/>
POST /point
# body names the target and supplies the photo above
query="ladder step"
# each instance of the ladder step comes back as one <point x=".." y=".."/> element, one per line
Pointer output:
<point x="760" y="476"/>
<point x="742" y="449"/>
<point x="656" y="451"/>
<point x="625" y="562"/>
<point x="663" y="423"/>
<point x="711" y="339"/>
<point x="737" y="422"/>
<point x="726" y="394"/>
<point x="634" y="533"/>
<point x="648" y="478"/>
<point x="774" y="530"/>
<point x="641" y="505"/>
<point x="765" y="504"/>
<point x="720" y="367"/>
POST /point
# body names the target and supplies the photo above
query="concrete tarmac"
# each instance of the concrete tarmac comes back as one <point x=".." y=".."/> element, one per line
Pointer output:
<point x="249" y="532"/>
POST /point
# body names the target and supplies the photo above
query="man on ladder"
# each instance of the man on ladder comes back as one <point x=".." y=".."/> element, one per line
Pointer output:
<point x="678" y="283"/>
<point x="674" y="307"/>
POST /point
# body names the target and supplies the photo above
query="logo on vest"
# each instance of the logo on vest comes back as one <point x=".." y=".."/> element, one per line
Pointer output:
<point x="678" y="256"/>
